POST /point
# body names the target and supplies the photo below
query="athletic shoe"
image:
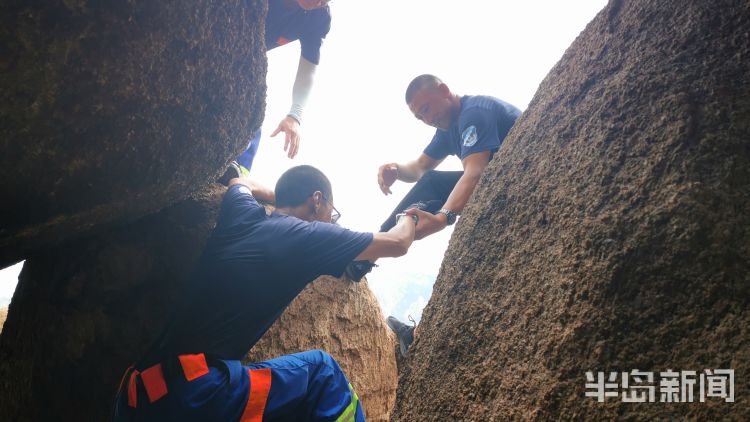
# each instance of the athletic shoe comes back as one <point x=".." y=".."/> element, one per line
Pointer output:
<point x="404" y="333"/>
<point x="233" y="171"/>
<point x="357" y="269"/>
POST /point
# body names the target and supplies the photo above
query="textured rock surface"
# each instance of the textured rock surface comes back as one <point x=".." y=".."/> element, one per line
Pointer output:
<point x="611" y="232"/>
<point x="111" y="110"/>
<point x="3" y="316"/>
<point x="345" y="320"/>
<point x="83" y="312"/>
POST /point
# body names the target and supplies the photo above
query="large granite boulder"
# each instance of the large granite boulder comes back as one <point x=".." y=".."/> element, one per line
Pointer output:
<point x="111" y="110"/>
<point x="84" y="311"/>
<point x="345" y="320"/>
<point x="610" y="233"/>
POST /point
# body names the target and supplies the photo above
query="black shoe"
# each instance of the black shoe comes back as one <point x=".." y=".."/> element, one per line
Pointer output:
<point x="233" y="171"/>
<point x="357" y="269"/>
<point x="404" y="333"/>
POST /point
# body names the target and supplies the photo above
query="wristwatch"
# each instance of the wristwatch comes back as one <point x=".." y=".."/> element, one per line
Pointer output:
<point x="414" y="216"/>
<point x="450" y="215"/>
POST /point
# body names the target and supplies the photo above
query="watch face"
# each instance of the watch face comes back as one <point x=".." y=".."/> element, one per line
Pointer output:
<point x="450" y="215"/>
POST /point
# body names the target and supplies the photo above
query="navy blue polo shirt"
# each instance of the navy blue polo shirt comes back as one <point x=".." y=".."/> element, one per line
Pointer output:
<point x="253" y="266"/>
<point x="286" y="23"/>
<point x="482" y="125"/>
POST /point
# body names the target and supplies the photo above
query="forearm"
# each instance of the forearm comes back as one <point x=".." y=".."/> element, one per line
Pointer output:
<point x="462" y="192"/>
<point x="409" y="172"/>
<point x="393" y="243"/>
<point x="403" y="232"/>
<point x="259" y="191"/>
<point x="302" y="88"/>
<point x="474" y="166"/>
<point x="456" y="201"/>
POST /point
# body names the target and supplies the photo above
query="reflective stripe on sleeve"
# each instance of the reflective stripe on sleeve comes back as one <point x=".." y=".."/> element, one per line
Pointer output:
<point x="348" y="414"/>
<point x="260" y="386"/>
<point x="153" y="382"/>
<point x="193" y="366"/>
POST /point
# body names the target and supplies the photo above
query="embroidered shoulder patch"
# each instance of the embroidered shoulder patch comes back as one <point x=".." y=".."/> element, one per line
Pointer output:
<point x="469" y="137"/>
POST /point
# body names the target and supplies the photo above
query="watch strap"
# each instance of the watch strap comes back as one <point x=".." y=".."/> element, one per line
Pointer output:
<point x="449" y="215"/>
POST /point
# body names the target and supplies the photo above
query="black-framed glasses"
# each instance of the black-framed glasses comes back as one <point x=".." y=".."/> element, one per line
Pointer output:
<point x="335" y="215"/>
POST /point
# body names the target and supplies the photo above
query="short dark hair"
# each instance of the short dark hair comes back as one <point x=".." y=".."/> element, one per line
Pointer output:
<point x="421" y="81"/>
<point x="298" y="183"/>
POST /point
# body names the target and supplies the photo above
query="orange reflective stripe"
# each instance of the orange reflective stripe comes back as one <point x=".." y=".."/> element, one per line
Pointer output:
<point x="153" y="382"/>
<point x="281" y="41"/>
<point x="193" y="366"/>
<point x="260" y="386"/>
<point x="132" y="392"/>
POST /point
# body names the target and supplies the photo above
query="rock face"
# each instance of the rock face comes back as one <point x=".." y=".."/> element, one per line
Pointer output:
<point x="111" y="110"/>
<point x="344" y="319"/>
<point x="114" y="111"/>
<point x="83" y="312"/>
<point x="610" y="233"/>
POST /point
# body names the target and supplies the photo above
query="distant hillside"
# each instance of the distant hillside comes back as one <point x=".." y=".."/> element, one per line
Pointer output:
<point x="404" y="296"/>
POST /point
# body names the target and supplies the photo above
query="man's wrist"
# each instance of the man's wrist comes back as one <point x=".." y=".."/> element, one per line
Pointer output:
<point x="295" y="118"/>
<point x="403" y="214"/>
<point x="450" y="216"/>
<point x="296" y="113"/>
<point x="443" y="219"/>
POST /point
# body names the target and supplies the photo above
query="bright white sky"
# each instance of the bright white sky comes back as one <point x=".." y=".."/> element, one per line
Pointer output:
<point x="356" y="118"/>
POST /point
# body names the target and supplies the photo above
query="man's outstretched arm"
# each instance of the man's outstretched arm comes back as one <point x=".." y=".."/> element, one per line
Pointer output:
<point x="474" y="165"/>
<point x="409" y="172"/>
<point x="303" y="85"/>
<point x="396" y="241"/>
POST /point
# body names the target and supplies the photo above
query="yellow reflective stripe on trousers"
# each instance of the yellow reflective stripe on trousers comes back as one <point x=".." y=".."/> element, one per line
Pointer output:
<point x="351" y="410"/>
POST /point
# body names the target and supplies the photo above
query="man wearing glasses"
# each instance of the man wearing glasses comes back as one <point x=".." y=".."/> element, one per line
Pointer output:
<point x="253" y="266"/>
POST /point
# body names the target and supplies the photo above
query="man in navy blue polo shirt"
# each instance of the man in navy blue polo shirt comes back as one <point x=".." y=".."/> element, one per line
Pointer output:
<point x="253" y="266"/>
<point x="470" y="127"/>
<point x="290" y="20"/>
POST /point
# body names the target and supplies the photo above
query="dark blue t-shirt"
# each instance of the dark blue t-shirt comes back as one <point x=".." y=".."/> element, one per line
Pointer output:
<point x="253" y="266"/>
<point x="285" y="24"/>
<point x="482" y="125"/>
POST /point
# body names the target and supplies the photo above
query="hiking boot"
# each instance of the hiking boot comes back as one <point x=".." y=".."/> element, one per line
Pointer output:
<point x="233" y="171"/>
<point x="357" y="269"/>
<point x="404" y="333"/>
